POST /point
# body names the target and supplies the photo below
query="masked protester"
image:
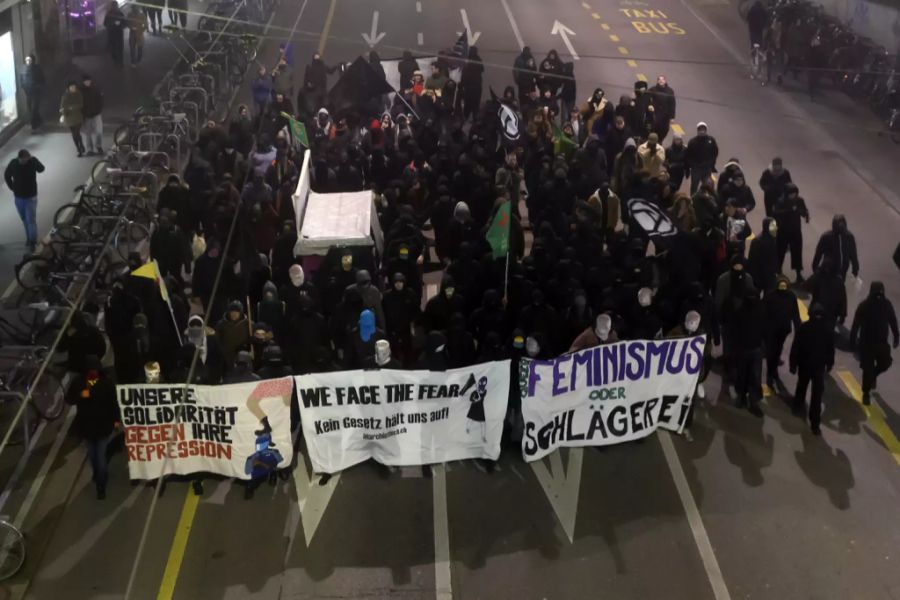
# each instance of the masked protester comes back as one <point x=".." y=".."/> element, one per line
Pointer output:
<point x="600" y="333"/>
<point x="241" y="370"/>
<point x="664" y="107"/>
<point x="732" y="288"/>
<point x="401" y="311"/>
<point x="297" y="287"/>
<point x="840" y="246"/>
<point x="370" y="295"/>
<point x="82" y="339"/>
<point x="382" y="359"/>
<point x="675" y="158"/>
<point x="699" y="300"/>
<point x="446" y="302"/>
<point x="812" y="355"/>
<point x="171" y="248"/>
<point x="869" y="335"/>
<point x="773" y="182"/>
<point x="693" y="326"/>
<point x="828" y="290"/>
<point x="746" y="330"/>
<point x="260" y="339"/>
<point x="272" y="311"/>
<point x="645" y="323"/>
<point x="273" y="365"/>
<point x="762" y="262"/>
<point x="782" y="314"/>
<point x="210" y="361"/>
<point x="361" y="340"/>
<point x="435" y="356"/>
<point x="788" y="210"/>
<point x="233" y="332"/>
<point x="307" y="335"/>
<point x="93" y="394"/>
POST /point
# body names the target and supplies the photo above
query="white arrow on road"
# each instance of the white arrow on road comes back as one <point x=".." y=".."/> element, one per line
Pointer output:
<point x="374" y="37"/>
<point x="471" y="36"/>
<point x="564" y="32"/>
<point x="562" y="485"/>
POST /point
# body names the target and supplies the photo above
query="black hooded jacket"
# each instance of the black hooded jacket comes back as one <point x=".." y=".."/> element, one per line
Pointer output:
<point x="874" y="316"/>
<point x="762" y="261"/>
<point x="840" y="246"/>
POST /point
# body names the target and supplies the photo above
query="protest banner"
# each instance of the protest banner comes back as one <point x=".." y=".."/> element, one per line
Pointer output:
<point x="608" y="394"/>
<point x="240" y="430"/>
<point x="403" y="418"/>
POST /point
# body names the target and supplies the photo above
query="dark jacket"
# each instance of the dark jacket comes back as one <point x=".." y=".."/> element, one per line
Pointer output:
<point x="762" y="261"/>
<point x="702" y="152"/>
<point x="97" y="411"/>
<point x="22" y="178"/>
<point x="813" y="347"/>
<point x="92" y="101"/>
<point x="32" y="78"/>
<point x="840" y="246"/>
<point x="874" y="316"/>
<point x="773" y="187"/>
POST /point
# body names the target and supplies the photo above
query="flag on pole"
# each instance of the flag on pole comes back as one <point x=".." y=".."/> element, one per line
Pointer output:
<point x="562" y="144"/>
<point x="298" y="130"/>
<point x="498" y="233"/>
<point x="150" y="270"/>
<point x="509" y="121"/>
<point x="460" y="51"/>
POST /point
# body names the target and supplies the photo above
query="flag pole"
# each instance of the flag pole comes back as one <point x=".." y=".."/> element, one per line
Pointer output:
<point x="506" y="277"/>
<point x="162" y="284"/>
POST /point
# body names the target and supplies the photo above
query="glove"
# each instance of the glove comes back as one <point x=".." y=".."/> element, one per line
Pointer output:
<point x="793" y="369"/>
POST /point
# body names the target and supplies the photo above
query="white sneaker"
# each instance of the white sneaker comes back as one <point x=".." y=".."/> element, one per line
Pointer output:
<point x="701" y="391"/>
<point x="687" y="434"/>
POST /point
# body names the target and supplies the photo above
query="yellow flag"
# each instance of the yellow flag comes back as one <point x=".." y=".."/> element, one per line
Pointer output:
<point x="150" y="270"/>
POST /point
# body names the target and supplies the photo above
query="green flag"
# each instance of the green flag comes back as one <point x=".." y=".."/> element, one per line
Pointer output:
<point x="498" y="233"/>
<point x="563" y="144"/>
<point x="298" y="130"/>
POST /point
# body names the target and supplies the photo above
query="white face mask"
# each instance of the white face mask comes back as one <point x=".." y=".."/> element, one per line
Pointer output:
<point x="645" y="297"/>
<point x="692" y="321"/>
<point x="602" y="327"/>
<point x="773" y="228"/>
<point x="297" y="276"/>
<point x="382" y="352"/>
<point x="151" y="372"/>
<point x="195" y="335"/>
<point x="532" y="347"/>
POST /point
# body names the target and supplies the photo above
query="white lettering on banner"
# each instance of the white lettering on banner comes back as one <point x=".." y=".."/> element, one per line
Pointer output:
<point x="608" y="394"/>
<point x="403" y="418"/>
<point x="240" y="430"/>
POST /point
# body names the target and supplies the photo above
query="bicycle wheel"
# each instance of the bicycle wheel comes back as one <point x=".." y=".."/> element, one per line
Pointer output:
<point x="46" y="394"/>
<point x="130" y="238"/>
<point x="12" y="550"/>
<point x="9" y="408"/>
<point x="41" y="325"/>
<point x="33" y="273"/>
<point x="98" y="172"/>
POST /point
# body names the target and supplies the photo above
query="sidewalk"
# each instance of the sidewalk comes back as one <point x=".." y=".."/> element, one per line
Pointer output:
<point x="123" y="90"/>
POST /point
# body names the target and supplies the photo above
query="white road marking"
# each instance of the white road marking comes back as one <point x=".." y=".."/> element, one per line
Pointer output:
<point x="471" y="36"/>
<point x="564" y="32"/>
<point x="13" y="480"/>
<point x="512" y="23"/>
<point x="418" y="7"/>
<point x="374" y="37"/>
<point x="704" y="546"/>
<point x="561" y="486"/>
<point x="431" y="291"/>
<point x="420" y="38"/>
<point x="443" y="584"/>
<point x="38" y="483"/>
<point x="312" y="498"/>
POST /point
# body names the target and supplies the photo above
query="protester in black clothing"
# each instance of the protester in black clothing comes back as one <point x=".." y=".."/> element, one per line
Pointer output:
<point x="382" y="359"/>
<point x="762" y="261"/>
<point x="773" y="182"/>
<point x="840" y="246"/>
<point x="828" y="291"/>
<point x="782" y="315"/>
<point x="812" y="355"/>
<point x="788" y="210"/>
<point x="31" y="80"/>
<point x="93" y="393"/>
<point x="525" y="73"/>
<point x="663" y="107"/>
<point x="82" y="339"/>
<point x="874" y="317"/>
<point x="470" y="84"/>
<point x="700" y="157"/>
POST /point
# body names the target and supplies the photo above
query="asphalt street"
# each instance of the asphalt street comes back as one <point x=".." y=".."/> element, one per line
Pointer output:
<point x="750" y="509"/>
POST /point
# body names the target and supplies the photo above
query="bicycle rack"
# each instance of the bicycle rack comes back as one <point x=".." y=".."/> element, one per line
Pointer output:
<point x="185" y="92"/>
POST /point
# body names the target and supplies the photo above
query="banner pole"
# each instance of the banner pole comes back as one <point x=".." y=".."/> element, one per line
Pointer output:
<point x="506" y="277"/>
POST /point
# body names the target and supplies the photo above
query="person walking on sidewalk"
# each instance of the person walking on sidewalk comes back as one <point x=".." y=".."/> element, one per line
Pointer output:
<point x="32" y="82"/>
<point x="92" y="128"/>
<point x="93" y="394"/>
<point x="178" y="12"/>
<point x="154" y="11"/>
<point x="115" y="24"/>
<point x="71" y="111"/>
<point x="21" y="177"/>
<point x="137" y="27"/>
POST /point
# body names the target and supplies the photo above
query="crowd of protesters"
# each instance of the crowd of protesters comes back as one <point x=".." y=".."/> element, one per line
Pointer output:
<point x="629" y="239"/>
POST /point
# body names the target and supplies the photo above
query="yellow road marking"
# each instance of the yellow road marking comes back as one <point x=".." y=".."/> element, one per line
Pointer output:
<point x="326" y="30"/>
<point x="595" y="15"/>
<point x="179" y="544"/>
<point x="874" y="414"/>
<point x="677" y="129"/>
<point x="804" y="313"/>
<point x="623" y="50"/>
<point x="604" y="26"/>
<point x="614" y="38"/>
<point x="631" y="63"/>
<point x="586" y="5"/>
<point x="641" y="77"/>
<point x="767" y="391"/>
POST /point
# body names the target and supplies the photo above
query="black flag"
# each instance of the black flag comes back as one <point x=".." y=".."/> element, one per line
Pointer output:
<point x="359" y="84"/>
<point x="509" y="121"/>
<point x="651" y="218"/>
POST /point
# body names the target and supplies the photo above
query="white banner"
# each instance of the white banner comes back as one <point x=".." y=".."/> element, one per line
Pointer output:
<point x="608" y="394"/>
<point x="241" y="430"/>
<point x="403" y="417"/>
